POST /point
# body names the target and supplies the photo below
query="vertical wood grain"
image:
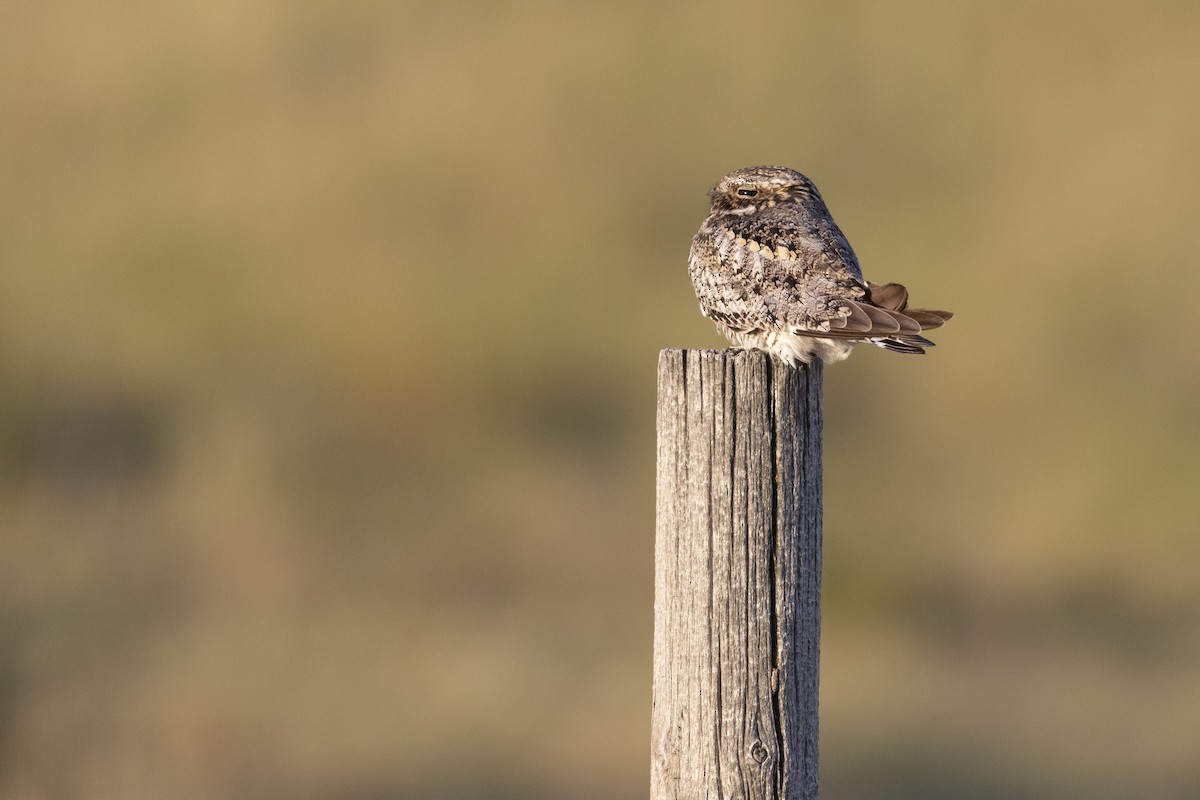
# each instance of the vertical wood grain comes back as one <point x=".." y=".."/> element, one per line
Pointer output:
<point x="737" y="577"/>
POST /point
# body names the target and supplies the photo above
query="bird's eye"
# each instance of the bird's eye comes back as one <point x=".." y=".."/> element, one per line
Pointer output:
<point x="747" y="192"/>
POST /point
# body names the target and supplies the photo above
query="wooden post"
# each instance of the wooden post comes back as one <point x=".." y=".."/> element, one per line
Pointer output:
<point x="737" y="610"/>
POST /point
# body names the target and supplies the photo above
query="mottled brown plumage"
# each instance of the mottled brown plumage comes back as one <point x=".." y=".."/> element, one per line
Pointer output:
<point x="774" y="272"/>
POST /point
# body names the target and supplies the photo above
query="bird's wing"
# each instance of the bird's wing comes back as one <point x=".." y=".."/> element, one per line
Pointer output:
<point x="894" y="297"/>
<point x="776" y="270"/>
<point x="771" y="272"/>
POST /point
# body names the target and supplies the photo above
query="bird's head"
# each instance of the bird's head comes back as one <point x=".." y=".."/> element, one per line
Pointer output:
<point x="746" y="190"/>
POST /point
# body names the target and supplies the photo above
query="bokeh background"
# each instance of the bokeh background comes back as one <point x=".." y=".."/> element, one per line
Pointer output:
<point x="328" y="336"/>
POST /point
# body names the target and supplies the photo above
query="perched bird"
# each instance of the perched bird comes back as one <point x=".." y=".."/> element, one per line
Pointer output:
<point x="774" y="272"/>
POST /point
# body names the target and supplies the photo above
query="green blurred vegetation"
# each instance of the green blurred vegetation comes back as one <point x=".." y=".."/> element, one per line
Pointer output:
<point x="327" y="346"/>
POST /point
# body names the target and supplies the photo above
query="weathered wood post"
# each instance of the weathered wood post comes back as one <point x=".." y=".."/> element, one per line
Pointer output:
<point x="737" y="578"/>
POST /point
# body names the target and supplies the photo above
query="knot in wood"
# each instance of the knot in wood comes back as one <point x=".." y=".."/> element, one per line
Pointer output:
<point x="759" y="752"/>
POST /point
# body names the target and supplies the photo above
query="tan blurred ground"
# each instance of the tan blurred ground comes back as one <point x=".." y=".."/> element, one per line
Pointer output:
<point x="327" y="348"/>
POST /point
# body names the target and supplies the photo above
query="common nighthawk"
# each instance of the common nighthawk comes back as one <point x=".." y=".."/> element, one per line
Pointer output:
<point x="774" y="272"/>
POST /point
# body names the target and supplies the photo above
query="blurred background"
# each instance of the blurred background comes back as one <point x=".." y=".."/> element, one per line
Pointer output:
<point x="328" y="335"/>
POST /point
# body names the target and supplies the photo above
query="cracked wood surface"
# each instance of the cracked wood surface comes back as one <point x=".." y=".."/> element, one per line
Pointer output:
<point x="737" y="577"/>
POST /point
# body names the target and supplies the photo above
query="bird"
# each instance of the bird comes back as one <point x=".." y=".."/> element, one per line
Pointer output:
<point x="775" y="273"/>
